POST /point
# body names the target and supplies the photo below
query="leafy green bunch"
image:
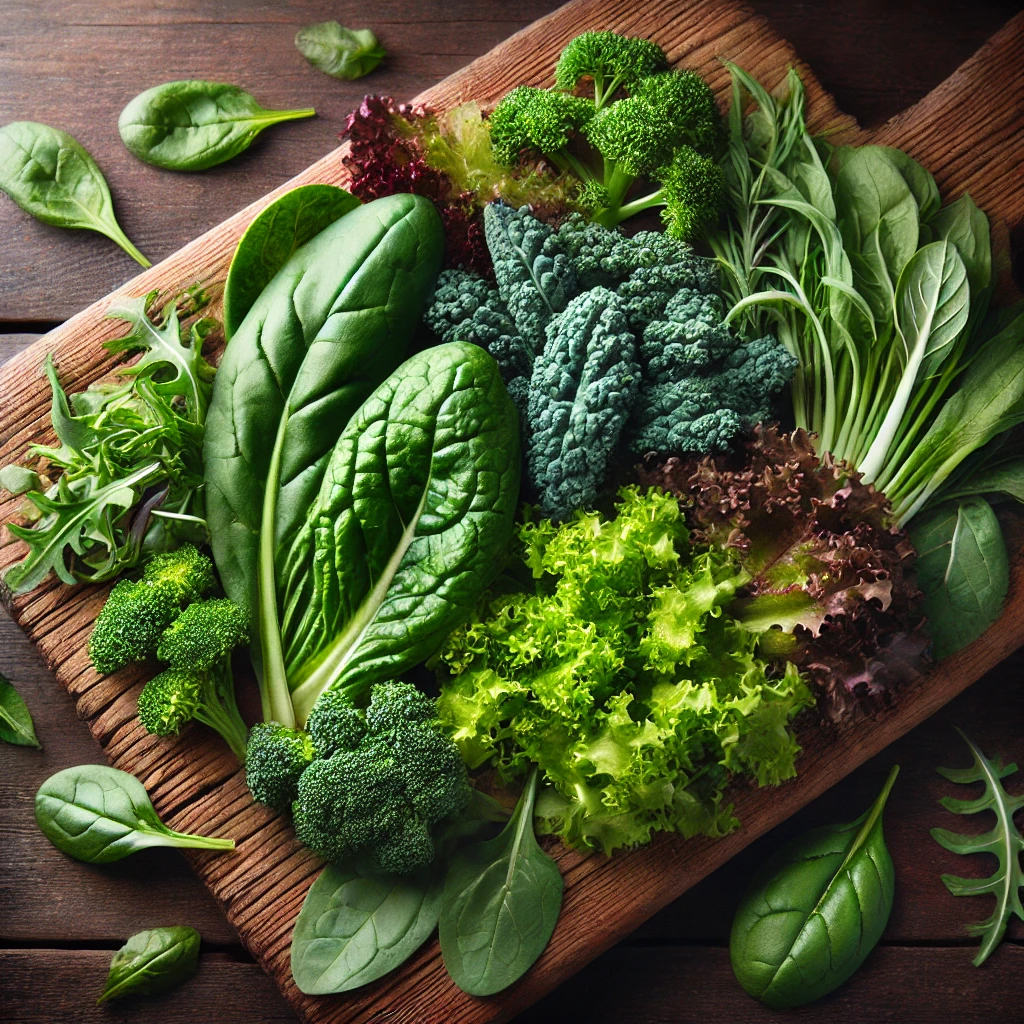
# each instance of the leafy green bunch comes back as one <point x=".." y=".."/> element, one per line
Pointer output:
<point x="129" y="459"/>
<point x="164" y="614"/>
<point x="623" y="677"/>
<point x="666" y="130"/>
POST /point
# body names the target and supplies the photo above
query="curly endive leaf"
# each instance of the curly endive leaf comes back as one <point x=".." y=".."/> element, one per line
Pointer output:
<point x="815" y="911"/>
<point x="411" y="523"/>
<point x="1004" y="841"/>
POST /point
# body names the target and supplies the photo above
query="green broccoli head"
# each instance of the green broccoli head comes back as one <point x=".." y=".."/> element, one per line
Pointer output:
<point x="693" y="189"/>
<point x="539" y="120"/>
<point x="636" y="135"/>
<point x="466" y="308"/>
<point x="204" y="634"/>
<point x="611" y="61"/>
<point x="168" y="701"/>
<point x="386" y="796"/>
<point x="275" y="760"/>
<point x="581" y="392"/>
<point x="136" y="613"/>
<point x="689" y="105"/>
<point x="334" y="724"/>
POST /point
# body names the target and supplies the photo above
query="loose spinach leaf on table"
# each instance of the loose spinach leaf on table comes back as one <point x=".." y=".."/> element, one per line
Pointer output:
<point x="340" y="52"/>
<point x="50" y="175"/>
<point x="1004" y="841"/>
<point x="193" y="125"/>
<point x="99" y="815"/>
<point x="358" y="924"/>
<point x="963" y="571"/>
<point x="500" y="904"/>
<point x="152" y="961"/>
<point x="272" y="237"/>
<point x="813" y="913"/>
<point x="15" y="719"/>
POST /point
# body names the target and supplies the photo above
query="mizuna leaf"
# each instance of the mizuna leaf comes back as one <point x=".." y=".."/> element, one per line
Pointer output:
<point x="15" y="719"/>
<point x="152" y="961"/>
<point x="1004" y="841"/>
<point x="814" y="911"/>
<point x="356" y="925"/>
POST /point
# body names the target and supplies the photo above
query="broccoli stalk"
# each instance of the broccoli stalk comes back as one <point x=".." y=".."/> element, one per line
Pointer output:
<point x="667" y="130"/>
<point x="199" y="683"/>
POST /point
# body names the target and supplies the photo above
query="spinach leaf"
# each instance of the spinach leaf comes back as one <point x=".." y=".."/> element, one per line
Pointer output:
<point x="420" y="495"/>
<point x="963" y="224"/>
<point x="15" y="719"/>
<point x="1004" y="841"/>
<point x="500" y="904"/>
<point x="340" y="52"/>
<point x="962" y="569"/>
<point x="193" y="125"/>
<point x="357" y="924"/>
<point x="813" y="913"/>
<point x="330" y="327"/>
<point x="52" y="177"/>
<point x="98" y="815"/>
<point x="18" y="480"/>
<point x="152" y="961"/>
<point x="269" y="241"/>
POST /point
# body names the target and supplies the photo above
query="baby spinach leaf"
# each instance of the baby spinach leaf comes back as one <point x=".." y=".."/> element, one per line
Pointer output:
<point x="52" y="177"/>
<point x="962" y="569"/>
<point x="152" y="961"/>
<point x="1004" y="841"/>
<point x="98" y="815"/>
<point x="330" y="327"/>
<point x="15" y="719"/>
<point x="500" y="904"/>
<point x="269" y="241"/>
<point x="358" y="924"/>
<point x="193" y="125"/>
<point x="813" y="913"/>
<point x="340" y="52"/>
<point x="420" y="495"/>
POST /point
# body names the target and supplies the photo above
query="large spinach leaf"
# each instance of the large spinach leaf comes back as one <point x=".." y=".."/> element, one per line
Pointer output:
<point x="192" y="125"/>
<point x="331" y="325"/>
<point x="815" y="911"/>
<point x="152" y="961"/>
<point x="50" y="175"/>
<point x="962" y="569"/>
<point x="411" y="523"/>
<point x="99" y="814"/>
<point x="356" y="925"/>
<point x="500" y="905"/>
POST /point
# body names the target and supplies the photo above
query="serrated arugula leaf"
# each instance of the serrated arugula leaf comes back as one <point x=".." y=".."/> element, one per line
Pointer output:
<point x="1004" y="842"/>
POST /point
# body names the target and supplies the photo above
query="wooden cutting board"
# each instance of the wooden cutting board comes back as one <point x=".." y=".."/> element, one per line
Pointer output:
<point x="969" y="132"/>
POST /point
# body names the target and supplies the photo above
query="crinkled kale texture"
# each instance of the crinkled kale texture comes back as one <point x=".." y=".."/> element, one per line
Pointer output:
<point x="675" y="379"/>
<point x="623" y="676"/>
<point x="831" y="580"/>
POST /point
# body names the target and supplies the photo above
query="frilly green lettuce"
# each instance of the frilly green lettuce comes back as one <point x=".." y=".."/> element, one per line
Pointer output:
<point x="623" y="678"/>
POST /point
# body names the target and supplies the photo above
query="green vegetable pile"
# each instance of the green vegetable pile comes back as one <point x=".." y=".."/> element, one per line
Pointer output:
<point x="622" y="676"/>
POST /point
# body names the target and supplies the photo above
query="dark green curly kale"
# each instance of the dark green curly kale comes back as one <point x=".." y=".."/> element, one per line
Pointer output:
<point x="580" y="395"/>
<point x="702" y="385"/>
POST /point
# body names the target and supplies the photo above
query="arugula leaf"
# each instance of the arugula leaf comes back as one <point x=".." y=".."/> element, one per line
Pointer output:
<point x="1004" y="841"/>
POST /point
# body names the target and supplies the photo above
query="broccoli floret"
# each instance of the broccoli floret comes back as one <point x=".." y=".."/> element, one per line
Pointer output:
<point x="385" y="796"/>
<point x="199" y="684"/>
<point x="334" y="724"/>
<point x="702" y="385"/>
<point x="275" y="761"/>
<point x="177" y="696"/>
<point x="581" y="391"/>
<point x="136" y="613"/>
<point x="667" y="130"/>
<point x="535" y="276"/>
<point x="204" y="634"/>
<point x="611" y="61"/>
<point x="466" y="308"/>
<point x="604" y="256"/>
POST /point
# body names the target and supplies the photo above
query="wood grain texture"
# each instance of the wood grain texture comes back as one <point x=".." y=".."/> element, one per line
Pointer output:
<point x="193" y="780"/>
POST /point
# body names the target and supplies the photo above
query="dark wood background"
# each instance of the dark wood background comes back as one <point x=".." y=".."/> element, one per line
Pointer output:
<point x="74" y="66"/>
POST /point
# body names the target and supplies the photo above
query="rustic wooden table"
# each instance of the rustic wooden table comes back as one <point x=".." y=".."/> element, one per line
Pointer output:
<point x="75" y="66"/>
